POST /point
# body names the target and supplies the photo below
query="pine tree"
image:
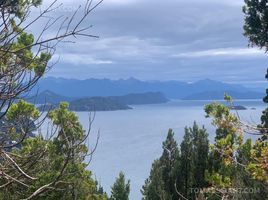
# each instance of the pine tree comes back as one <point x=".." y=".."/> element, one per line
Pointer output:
<point x="256" y="29"/>
<point x="169" y="161"/>
<point x="243" y="179"/>
<point x="177" y="171"/>
<point x="154" y="188"/>
<point x="121" y="188"/>
<point x="201" y="150"/>
<point x="164" y="173"/>
<point x="187" y="162"/>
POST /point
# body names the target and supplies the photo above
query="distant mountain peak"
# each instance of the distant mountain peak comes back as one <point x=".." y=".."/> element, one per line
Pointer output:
<point x="208" y="81"/>
<point x="132" y="79"/>
<point x="47" y="92"/>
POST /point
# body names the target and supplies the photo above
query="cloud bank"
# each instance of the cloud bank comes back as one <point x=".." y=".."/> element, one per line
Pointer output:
<point x="164" y="40"/>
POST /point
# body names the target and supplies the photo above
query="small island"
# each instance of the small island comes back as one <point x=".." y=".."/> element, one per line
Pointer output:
<point x="237" y="108"/>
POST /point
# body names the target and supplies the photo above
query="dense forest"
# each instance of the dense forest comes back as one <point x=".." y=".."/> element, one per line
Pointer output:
<point x="55" y="167"/>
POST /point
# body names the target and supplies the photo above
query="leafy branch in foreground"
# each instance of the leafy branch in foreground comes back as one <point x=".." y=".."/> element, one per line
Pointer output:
<point x="50" y="169"/>
<point x="34" y="167"/>
<point x="235" y="163"/>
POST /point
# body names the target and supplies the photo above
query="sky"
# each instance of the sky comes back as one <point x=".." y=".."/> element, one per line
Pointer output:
<point x="184" y="40"/>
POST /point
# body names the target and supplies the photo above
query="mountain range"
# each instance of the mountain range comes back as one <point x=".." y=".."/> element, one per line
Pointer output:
<point x="200" y="90"/>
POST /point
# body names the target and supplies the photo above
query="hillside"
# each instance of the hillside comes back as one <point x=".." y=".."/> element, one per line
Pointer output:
<point x="97" y="104"/>
<point x="100" y="103"/>
<point x="50" y="97"/>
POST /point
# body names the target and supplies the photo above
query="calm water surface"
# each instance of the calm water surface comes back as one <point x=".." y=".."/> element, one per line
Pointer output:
<point x="131" y="140"/>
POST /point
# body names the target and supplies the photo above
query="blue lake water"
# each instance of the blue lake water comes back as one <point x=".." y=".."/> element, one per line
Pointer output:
<point x="132" y="139"/>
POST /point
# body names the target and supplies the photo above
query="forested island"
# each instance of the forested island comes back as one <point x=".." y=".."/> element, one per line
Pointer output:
<point x="237" y="108"/>
<point x="98" y="104"/>
<point x="50" y="100"/>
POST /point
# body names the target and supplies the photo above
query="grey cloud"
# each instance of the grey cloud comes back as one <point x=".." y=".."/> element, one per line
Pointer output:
<point x="140" y="38"/>
<point x="231" y="52"/>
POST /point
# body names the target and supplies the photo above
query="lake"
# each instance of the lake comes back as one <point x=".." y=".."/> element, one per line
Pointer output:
<point x="132" y="139"/>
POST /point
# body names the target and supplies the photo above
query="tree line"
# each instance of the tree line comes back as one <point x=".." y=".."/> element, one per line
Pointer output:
<point x="196" y="169"/>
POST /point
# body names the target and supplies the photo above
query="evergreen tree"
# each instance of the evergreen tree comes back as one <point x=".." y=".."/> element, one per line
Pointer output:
<point x="169" y="162"/>
<point x="234" y="164"/>
<point x="194" y="160"/>
<point x="243" y="179"/>
<point x="177" y="171"/>
<point x="186" y="168"/>
<point x="121" y="188"/>
<point x="264" y="117"/>
<point x="154" y="188"/>
<point x="201" y="151"/>
<point x="256" y="29"/>
<point x="164" y="173"/>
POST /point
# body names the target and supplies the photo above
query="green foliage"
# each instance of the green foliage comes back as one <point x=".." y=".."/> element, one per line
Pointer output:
<point x="19" y="121"/>
<point x="258" y="164"/>
<point x="153" y="188"/>
<point x="22" y="110"/>
<point x="26" y="58"/>
<point x="229" y="133"/>
<point x="186" y="168"/>
<point x="69" y="124"/>
<point x="200" y="155"/>
<point x="227" y="165"/>
<point x="57" y="165"/>
<point x="256" y="21"/>
<point x="194" y="160"/>
<point x="20" y="56"/>
<point x="121" y="188"/>
<point x="164" y="173"/>
<point x="169" y="160"/>
<point x="234" y="163"/>
<point x="33" y="167"/>
<point x="256" y="29"/>
<point x="228" y="98"/>
<point x="178" y="171"/>
<point x="25" y="40"/>
<point x="18" y="7"/>
<point x="16" y="49"/>
<point x="264" y="117"/>
<point x="227" y="140"/>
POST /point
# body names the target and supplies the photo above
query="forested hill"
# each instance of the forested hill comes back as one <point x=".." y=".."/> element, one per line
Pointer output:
<point x="107" y="87"/>
<point x="116" y="102"/>
<point x="50" y="97"/>
<point x="51" y="100"/>
<point x="98" y="104"/>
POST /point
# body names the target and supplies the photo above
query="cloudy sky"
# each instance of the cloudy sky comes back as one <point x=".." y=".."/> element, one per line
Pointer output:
<point x="163" y="40"/>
